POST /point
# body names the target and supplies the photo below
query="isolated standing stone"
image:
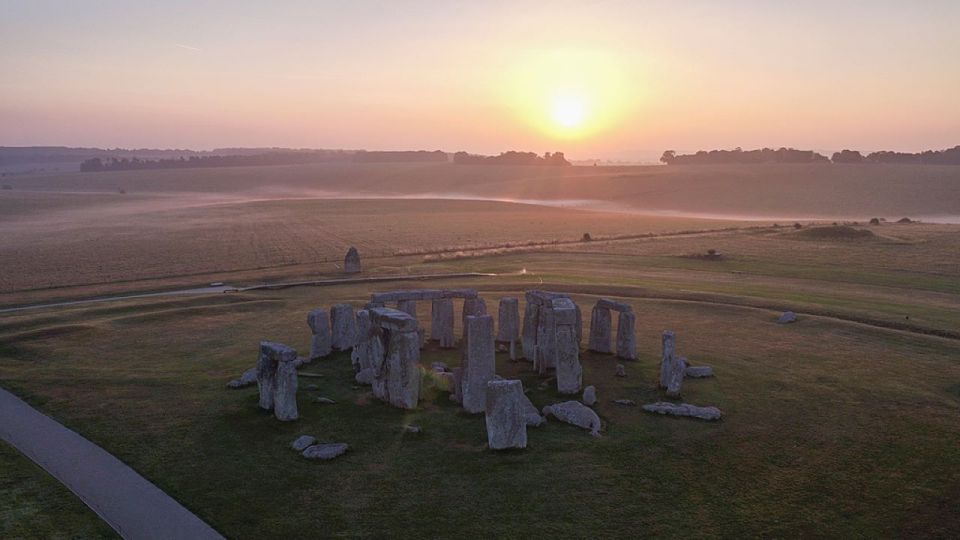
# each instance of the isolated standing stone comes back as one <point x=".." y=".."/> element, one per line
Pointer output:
<point x="787" y="317"/>
<point x="441" y="322"/>
<point x="600" y="330"/>
<point x="508" y="320"/>
<point x="569" y="371"/>
<point x="589" y="396"/>
<point x="684" y="409"/>
<point x="505" y="419"/>
<point x="351" y="263"/>
<point x="479" y="362"/>
<point x="344" y="327"/>
<point x="672" y="368"/>
<point x="627" y="335"/>
<point x="576" y="413"/>
<point x="320" y="343"/>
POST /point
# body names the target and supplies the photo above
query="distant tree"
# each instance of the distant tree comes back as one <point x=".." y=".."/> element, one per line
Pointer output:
<point x="847" y="156"/>
<point x="668" y="157"/>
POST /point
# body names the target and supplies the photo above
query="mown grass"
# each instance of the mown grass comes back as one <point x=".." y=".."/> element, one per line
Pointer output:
<point x="830" y="428"/>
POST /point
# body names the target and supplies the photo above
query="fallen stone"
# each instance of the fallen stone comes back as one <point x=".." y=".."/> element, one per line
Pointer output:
<point x="441" y="366"/>
<point x="351" y="262"/>
<point x="504" y="415"/>
<point x="248" y="378"/>
<point x="698" y="372"/>
<point x="324" y="401"/>
<point x="325" y="450"/>
<point x="309" y="374"/>
<point x="621" y="371"/>
<point x="787" y="317"/>
<point x="627" y="402"/>
<point x="576" y="413"/>
<point x="303" y="442"/>
<point x="683" y="409"/>
<point x="589" y="396"/>
<point x="412" y="429"/>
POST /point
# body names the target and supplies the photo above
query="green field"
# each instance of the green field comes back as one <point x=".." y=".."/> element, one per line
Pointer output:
<point x="844" y="424"/>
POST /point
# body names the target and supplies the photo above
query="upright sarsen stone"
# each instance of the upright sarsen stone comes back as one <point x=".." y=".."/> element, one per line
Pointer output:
<point x="531" y="321"/>
<point x="601" y="324"/>
<point x="351" y="263"/>
<point x="627" y="335"/>
<point x="277" y="379"/>
<point x="569" y="371"/>
<point x="672" y="367"/>
<point x="441" y="322"/>
<point x="508" y="320"/>
<point x="344" y="327"/>
<point x="505" y="415"/>
<point x="320" y="343"/>
<point x="360" y="356"/>
<point x="394" y="354"/>
<point x="473" y="307"/>
<point x="479" y="362"/>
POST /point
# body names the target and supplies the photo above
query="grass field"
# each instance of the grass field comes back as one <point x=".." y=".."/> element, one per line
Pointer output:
<point x="844" y="424"/>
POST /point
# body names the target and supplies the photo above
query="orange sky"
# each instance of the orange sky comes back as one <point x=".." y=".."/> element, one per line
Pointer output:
<point x="621" y="80"/>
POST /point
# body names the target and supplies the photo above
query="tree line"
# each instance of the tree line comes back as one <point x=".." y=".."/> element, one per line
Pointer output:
<point x="511" y="158"/>
<point x="268" y="158"/>
<point x="950" y="156"/>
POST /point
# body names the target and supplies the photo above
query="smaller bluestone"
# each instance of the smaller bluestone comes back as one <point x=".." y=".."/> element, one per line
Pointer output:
<point x="351" y="263"/>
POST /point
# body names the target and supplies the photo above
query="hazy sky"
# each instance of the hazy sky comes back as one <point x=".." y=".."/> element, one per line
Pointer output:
<point x="594" y="79"/>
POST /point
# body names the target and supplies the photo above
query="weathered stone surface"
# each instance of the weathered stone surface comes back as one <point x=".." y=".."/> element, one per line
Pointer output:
<point x="671" y="367"/>
<point x="459" y="293"/>
<point x="344" y="327"/>
<point x="472" y="307"/>
<point x="627" y="402"/>
<point x="351" y="262"/>
<point x="531" y="414"/>
<point x="576" y="413"/>
<point x="393" y="319"/>
<point x="698" y="372"/>
<point x="360" y="356"/>
<point x="412" y="429"/>
<point x="508" y="320"/>
<point x="408" y="306"/>
<point x="272" y="355"/>
<point x="684" y="409"/>
<point x="246" y="379"/>
<point x="441" y="323"/>
<point x="616" y="305"/>
<point x="601" y="329"/>
<point x="589" y="396"/>
<point x="303" y="442"/>
<point x="787" y="317"/>
<point x="285" y="391"/>
<point x="455" y="377"/>
<point x="528" y="338"/>
<point x="621" y="371"/>
<point x="397" y="376"/>
<point x="546" y="343"/>
<point x="324" y="401"/>
<point x="505" y="418"/>
<point x="627" y="336"/>
<point x="365" y="376"/>
<point x="479" y="362"/>
<point x="569" y="371"/>
<point x="325" y="450"/>
<point x="320" y="344"/>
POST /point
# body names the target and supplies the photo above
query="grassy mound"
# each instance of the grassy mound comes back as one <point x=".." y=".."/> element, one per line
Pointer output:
<point x="836" y="232"/>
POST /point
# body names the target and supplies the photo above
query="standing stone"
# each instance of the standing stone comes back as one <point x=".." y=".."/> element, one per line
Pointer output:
<point x="601" y="328"/>
<point x="569" y="371"/>
<point x="441" y="322"/>
<point x="351" y="263"/>
<point x="473" y="307"/>
<point x="344" y="325"/>
<point x="531" y="317"/>
<point x="672" y="368"/>
<point x="627" y="335"/>
<point x="360" y="356"/>
<point x="479" y="362"/>
<point x="508" y="320"/>
<point x="409" y="306"/>
<point x="589" y="396"/>
<point x="546" y="345"/>
<point x="505" y="419"/>
<point x="403" y="372"/>
<point x="277" y="379"/>
<point x="319" y="322"/>
<point x="620" y="371"/>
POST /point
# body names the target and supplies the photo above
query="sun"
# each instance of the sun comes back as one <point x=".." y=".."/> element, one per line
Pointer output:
<point x="568" y="111"/>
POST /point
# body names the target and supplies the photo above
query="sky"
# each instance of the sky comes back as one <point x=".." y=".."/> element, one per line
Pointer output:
<point x="602" y="79"/>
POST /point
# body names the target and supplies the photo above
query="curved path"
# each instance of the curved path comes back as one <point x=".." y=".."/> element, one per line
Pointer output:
<point x="128" y="502"/>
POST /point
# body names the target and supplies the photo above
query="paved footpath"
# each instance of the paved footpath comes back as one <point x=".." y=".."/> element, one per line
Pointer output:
<point x="128" y="502"/>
